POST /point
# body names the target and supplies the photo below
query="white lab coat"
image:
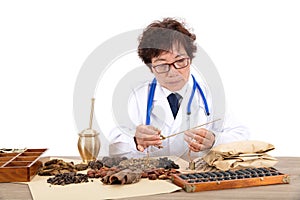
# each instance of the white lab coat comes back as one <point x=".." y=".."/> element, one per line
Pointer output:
<point x="121" y="137"/>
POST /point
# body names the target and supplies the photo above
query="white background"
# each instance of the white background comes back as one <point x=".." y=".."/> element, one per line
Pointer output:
<point x="43" y="44"/>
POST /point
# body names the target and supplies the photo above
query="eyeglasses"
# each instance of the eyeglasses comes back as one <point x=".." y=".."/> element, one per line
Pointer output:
<point x="178" y="64"/>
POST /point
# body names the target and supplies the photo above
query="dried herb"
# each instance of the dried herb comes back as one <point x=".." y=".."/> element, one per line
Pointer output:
<point x="68" y="178"/>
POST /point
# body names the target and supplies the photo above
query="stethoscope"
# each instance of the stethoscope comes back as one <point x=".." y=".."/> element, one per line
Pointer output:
<point x="195" y="86"/>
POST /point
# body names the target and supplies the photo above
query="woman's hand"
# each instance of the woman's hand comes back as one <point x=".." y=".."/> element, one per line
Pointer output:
<point x="199" y="139"/>
<point x="145" y="136"/>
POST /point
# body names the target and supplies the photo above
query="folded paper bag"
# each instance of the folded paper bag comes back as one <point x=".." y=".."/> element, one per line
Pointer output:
<point x="229" y="150"/>
<point x="242" y="154"/>
<point x="242" y="162"/>
<point x="242" y="147"/>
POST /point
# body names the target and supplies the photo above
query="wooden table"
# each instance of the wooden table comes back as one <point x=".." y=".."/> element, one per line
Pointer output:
<point x="287" y="165"/>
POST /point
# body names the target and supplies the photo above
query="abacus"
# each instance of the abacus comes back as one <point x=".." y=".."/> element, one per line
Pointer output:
<point x="204" y="181"/>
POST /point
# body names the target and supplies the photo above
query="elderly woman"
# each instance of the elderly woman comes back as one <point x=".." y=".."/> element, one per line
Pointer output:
<point x="173" y="101"/>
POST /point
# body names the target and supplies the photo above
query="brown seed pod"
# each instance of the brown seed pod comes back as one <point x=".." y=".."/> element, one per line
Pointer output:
<point x="152" y="176"/>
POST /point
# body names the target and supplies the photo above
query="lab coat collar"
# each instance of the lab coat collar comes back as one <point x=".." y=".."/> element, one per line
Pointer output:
<point x="161" y="107"/>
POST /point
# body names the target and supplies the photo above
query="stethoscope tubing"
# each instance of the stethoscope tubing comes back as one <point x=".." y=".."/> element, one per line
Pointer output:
<point x="150" y="101"/>
<point x="195" y="86"/>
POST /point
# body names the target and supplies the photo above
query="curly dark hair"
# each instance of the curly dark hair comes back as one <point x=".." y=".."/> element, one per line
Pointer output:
<point x="161" y="36"/>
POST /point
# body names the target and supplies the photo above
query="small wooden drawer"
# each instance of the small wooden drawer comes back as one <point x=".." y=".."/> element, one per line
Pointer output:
<point x="20" y="167"/>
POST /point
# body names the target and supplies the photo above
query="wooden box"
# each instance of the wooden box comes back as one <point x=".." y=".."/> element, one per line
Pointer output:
<point x="196" y="182"/>
<point x="20" y="167"/>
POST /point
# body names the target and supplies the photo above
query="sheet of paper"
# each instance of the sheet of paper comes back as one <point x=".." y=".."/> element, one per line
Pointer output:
<point x="40" y="189"/>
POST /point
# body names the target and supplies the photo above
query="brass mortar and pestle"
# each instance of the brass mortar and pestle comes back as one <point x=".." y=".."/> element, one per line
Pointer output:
<point x="89" y="142"/>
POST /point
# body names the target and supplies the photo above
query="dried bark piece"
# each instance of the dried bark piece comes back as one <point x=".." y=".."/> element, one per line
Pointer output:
<point x="125" y="176"/>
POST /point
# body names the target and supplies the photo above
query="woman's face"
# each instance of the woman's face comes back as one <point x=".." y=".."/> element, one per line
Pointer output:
<point x="174" y="79"/>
